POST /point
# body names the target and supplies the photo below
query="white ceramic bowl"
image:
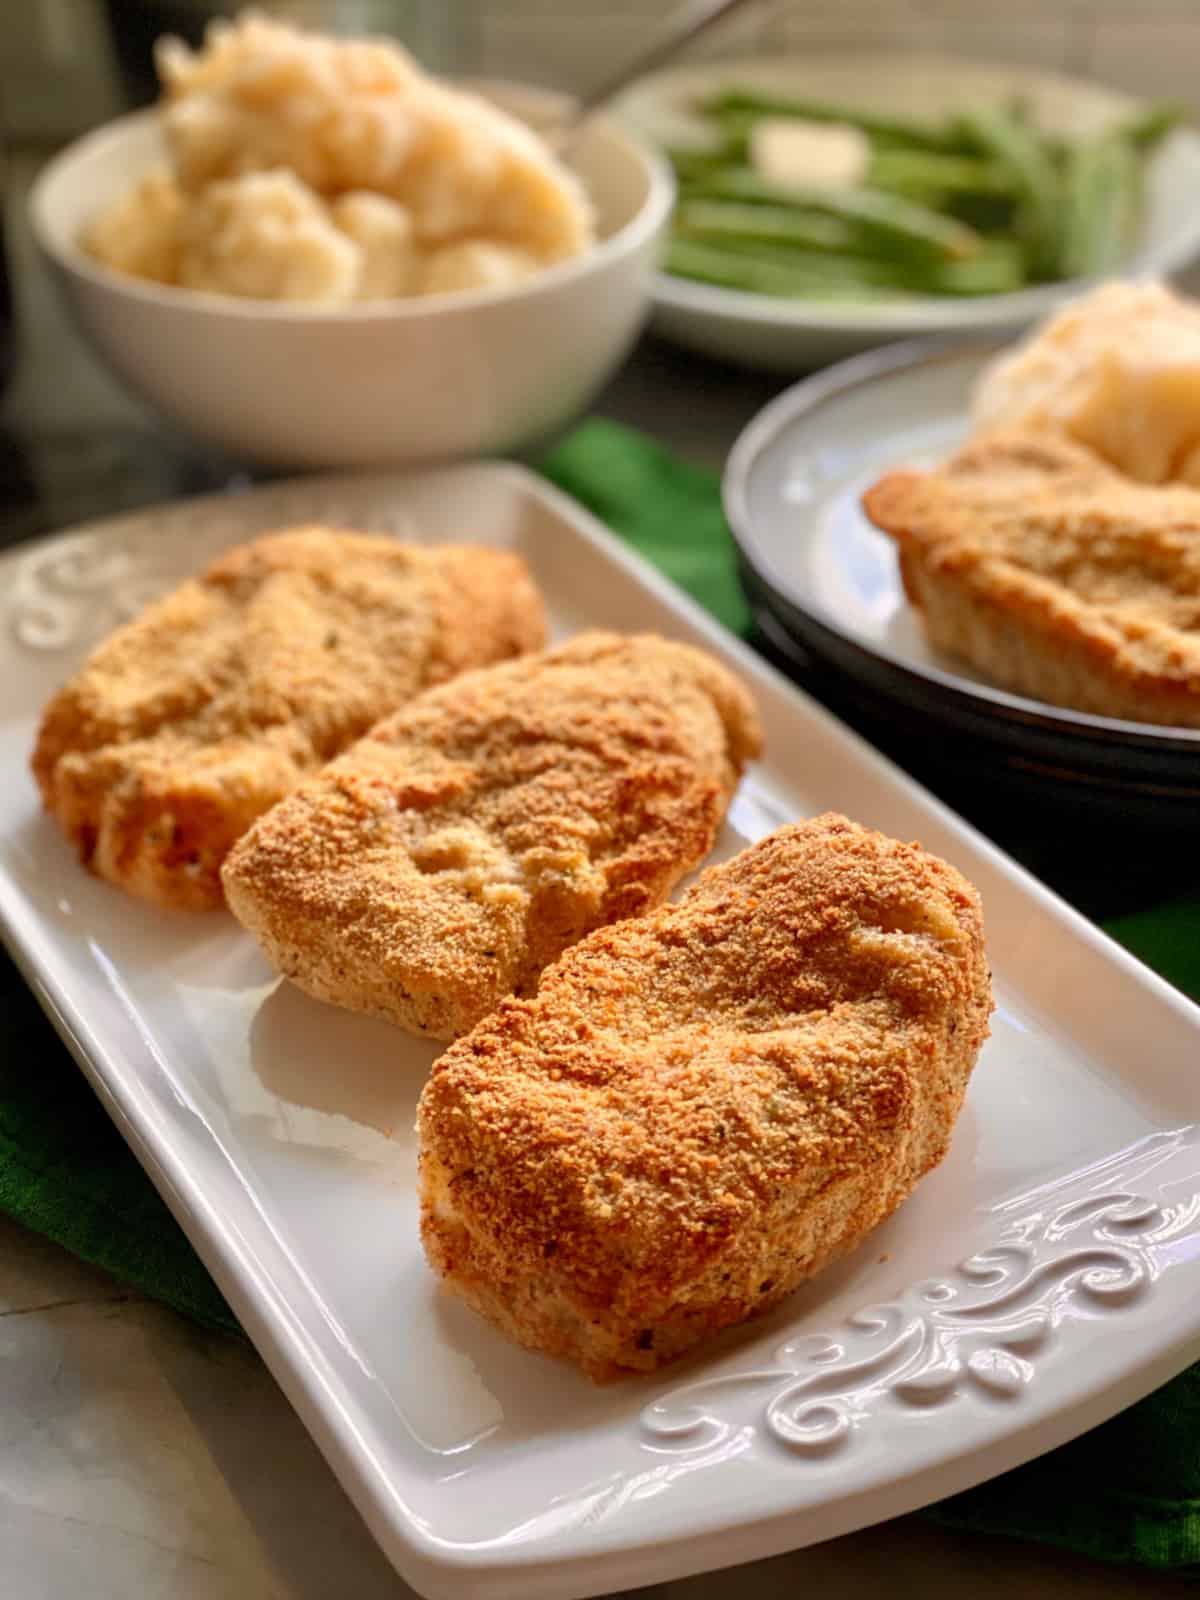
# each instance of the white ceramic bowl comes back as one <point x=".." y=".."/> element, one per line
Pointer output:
<point x="379" y="384"/>
<point x="795" y="336"/>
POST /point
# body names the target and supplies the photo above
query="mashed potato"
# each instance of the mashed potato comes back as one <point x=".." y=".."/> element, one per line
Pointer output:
<point x="268" y="236"/>
<point x="1118" y="370"/>
<point x="309" y="168"/>
<point x="140" y="233"/>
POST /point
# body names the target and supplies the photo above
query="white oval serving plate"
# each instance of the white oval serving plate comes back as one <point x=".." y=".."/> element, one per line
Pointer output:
<point x="1046" y="1275"/>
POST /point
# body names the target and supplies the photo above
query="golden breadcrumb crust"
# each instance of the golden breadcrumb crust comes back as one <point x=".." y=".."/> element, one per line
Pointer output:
<point x="1054" y="574"/>
<point x="702" y="1107"/>
<point x="192" y="720"/>
<point x="443" y="861"/>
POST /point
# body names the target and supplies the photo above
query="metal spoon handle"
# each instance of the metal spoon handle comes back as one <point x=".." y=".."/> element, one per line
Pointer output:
<point x="686" y="25"/>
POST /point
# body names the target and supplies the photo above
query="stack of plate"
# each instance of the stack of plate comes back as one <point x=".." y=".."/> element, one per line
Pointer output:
<point x="826" y="584"/>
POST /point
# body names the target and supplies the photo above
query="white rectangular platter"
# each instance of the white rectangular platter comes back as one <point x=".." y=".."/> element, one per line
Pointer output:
<point x="1045" y="1276"/>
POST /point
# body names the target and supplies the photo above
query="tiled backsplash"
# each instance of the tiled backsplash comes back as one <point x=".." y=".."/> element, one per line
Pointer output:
<point x="1147" y="46"/>
<point x="56" y="73"/>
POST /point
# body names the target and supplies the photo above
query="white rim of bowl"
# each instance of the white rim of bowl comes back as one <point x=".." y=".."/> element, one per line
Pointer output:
<point x="650" y="217"/>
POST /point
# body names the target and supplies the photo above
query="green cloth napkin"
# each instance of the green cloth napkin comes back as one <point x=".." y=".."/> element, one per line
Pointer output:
<point x="1128" y="1491"/>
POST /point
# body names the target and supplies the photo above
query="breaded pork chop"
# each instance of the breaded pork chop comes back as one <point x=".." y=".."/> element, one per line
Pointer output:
<point x="443" y="861"/>
<point x="186" y="724"/>
<point x="1054" y="574"/>
<point x="702" y="1107"/>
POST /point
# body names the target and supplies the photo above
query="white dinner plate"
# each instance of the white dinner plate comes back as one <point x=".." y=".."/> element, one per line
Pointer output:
<point x="795" y="336"/>
<point x="793" y="488"/>
<point x="1047" y="1274"/>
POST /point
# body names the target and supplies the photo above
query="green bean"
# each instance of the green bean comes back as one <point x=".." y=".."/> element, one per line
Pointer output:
<point x="815" y="266"/>
<point x="1147" y="128"/>
<point x="986" y="213"/>
<point x="914" y="171"/>
<point x="998" y="268"/>
<point x="889" y="221"/>
<point x="889" y="130"/>
<point x="784" y="236"/>
<point x="786" y="269"/>
<point x="695" y="163"/>
<point x="1101" y="186"/>
<point x="735" y="270"/>
<point x="735" y="129"/>
<point x="806" y="230"/>
<point x="1033" y="174"/>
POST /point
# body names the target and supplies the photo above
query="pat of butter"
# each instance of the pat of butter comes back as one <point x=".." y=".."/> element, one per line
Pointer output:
<point x="827" y="155"/>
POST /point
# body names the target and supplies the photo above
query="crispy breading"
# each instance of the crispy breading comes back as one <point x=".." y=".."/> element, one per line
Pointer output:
<point x="192" y="720"/>
<point x="445" y="859"/>
<point x="1051" y="572"/>
<point x="702" y="1107"/>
